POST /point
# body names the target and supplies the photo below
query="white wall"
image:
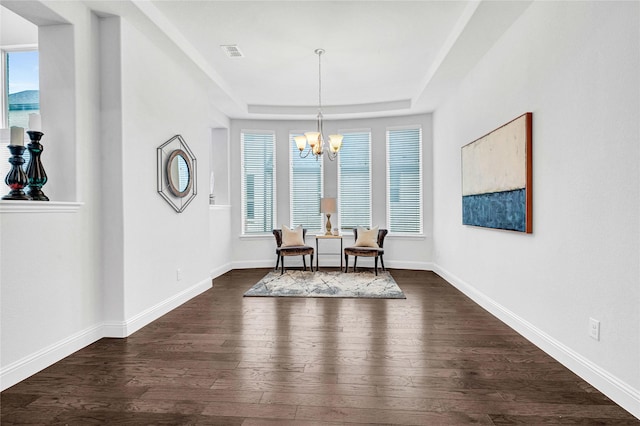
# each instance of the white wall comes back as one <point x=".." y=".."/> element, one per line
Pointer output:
<point x="220" y="239"/>
<point x="220" y="212"/>
<point x="400" y="252"/>
<point x="51" y="302"/>
<point x="160" y="97"/>
<point x="100" y="259"/>
<point x="576" y="66"/>
<point x="15" y="30"/>
<point x="111" y="148"/>
<point x="219" y="165"/>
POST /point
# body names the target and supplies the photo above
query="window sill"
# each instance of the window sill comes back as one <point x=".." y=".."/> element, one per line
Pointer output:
<point x="256" y="236"/>
<point x="7" y="206"/>
<point x="219" y="207"/>
<point x="407" y="236"/>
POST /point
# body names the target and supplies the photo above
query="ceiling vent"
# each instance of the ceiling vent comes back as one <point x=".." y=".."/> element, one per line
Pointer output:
<point x="232" y="51"/>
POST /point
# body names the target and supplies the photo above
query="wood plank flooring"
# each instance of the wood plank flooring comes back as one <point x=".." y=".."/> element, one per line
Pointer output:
<point x="435" y="358"/>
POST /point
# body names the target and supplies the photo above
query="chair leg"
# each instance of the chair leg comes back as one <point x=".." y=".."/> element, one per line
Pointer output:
<point x="382" y="262"/>
<point x="355" y="263"/>
<point x="281" y="265"/>
<point x="375" y="265"/>
<point x="304" y="263"/>
<point x="277" y="262"/>
<point x="311" y="257"/>
<point x="346" y="263"/>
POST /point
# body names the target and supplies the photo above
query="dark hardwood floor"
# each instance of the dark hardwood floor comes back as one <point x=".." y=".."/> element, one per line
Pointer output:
<point x="434" y="358"/>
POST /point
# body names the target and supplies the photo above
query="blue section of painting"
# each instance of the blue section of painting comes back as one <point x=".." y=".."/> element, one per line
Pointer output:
<point x="500" y="210"/>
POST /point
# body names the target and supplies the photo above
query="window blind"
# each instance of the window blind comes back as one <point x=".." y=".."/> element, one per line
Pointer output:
<point x="5" y="154"/>
<point x="258" y="181"/>
<point x="354" y="180"/>
<point x="404" y="180"/>
<point x="305" y="188"/>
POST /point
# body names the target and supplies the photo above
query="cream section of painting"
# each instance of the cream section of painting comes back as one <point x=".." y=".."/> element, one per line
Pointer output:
<point x="496" y="162"/>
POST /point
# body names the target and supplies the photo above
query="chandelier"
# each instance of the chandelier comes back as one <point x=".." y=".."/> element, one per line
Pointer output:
<point x="315" y="140"/>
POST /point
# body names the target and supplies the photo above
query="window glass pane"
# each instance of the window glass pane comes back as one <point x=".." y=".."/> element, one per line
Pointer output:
<point x="306" y="188"/>
<point x="354" y="180"/>
<point x="404" y="180"/>
<point x="23" y="87"/>
<point x="258" y="182"/>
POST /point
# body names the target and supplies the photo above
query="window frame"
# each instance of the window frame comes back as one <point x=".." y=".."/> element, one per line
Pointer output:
<point x="344" y="132"/>
<point x="4" y="90"/>
<point x="389" y="129"/>
<point x="274" y="197"/>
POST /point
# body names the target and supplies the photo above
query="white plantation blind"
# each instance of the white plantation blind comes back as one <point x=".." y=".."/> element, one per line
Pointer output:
<point x="305" y="188"/>
<point x="258" y="181"/>
<point x="354" y="180"/>
<point x="404" y="180"/>
<point x="5" y="154"/>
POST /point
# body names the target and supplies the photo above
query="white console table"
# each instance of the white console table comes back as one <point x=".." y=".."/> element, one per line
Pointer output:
<point x="318" y="253"/>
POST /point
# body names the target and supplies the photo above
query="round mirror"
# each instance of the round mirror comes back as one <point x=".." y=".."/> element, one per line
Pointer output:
<point x="179" y="173"/>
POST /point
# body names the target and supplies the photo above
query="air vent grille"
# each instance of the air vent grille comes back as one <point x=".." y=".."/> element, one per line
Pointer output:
<point x="232" y="51"/>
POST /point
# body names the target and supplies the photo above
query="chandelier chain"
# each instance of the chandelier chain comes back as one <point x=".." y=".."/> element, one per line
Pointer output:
<point x="320" y="52"/>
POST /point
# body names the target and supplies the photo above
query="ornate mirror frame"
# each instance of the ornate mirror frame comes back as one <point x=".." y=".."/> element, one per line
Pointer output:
<point x="176" y="170"/>
<point x="175" y="193"/>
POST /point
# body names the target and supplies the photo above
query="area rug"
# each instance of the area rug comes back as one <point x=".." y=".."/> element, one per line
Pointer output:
<point x="327" y="284"/>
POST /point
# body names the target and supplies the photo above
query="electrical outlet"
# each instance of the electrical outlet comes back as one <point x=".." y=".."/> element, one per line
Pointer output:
<point x="178" y="274"/>
<point x="594" y="328"/>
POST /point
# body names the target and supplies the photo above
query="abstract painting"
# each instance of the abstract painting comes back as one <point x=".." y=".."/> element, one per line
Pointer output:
<point x="496" y="178"/>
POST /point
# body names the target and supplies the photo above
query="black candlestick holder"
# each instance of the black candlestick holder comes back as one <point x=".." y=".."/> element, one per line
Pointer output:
<point x="36" y="175"/>
<point x="16" y="178"/>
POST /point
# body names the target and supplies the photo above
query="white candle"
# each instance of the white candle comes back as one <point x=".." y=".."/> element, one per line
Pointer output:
<point x="35" y="122"/>
<point x="17" y="136"/>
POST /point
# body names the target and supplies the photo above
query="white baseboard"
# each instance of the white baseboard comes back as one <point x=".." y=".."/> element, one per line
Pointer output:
<point x="153" y="313"/>
<point x="417" y="266"/>
<point x="215" y="273"/>
<point x="250" y="264"/>
<point x="114" y="329"/>
<point x="364" y="262"/>
<point x="619" y="391"/>
<point x="39" y="360"/>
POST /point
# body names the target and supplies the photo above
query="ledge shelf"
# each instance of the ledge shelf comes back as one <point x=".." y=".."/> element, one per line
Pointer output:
<point x="39" y="207"/>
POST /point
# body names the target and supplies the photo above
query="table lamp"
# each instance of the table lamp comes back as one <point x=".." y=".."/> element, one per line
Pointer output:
<point x="328" y="206"/>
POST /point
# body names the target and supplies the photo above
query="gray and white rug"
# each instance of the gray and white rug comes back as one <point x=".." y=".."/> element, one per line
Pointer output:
<point x="327" y="284"/>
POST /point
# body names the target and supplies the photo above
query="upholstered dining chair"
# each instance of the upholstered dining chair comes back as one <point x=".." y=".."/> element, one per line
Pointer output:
<point x="366" y="249"/>
<point x="292" y="250"/>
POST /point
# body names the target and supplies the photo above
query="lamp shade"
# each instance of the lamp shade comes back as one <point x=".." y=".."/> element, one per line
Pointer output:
<point x="312" y="138"/>
<point x="328" y="205"/>
<point x="301" y="141"/>
<point x="335" y="142"/>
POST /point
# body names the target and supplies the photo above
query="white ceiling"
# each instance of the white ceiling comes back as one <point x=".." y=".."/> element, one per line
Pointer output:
<point x="382" y="57"/>
<point x="375" y="51"/>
